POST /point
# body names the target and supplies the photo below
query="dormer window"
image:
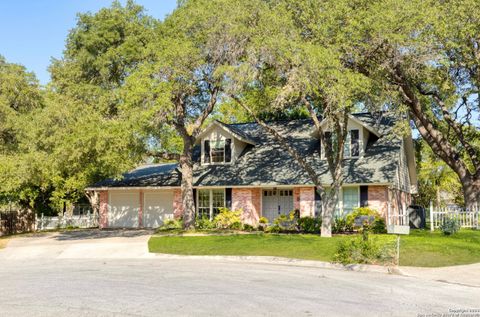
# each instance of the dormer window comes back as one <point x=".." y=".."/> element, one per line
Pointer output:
<point x="352" y="145"/>
<point x="351" y="148"/>
<point x="217" y="151"/>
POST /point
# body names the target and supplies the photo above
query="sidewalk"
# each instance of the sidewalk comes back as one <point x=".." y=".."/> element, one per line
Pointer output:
<point x="460" y="274"/>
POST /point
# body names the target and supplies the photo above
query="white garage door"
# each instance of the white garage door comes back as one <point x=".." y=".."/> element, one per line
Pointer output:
<point x="124" y="207"/>
<point x="158" y="206"/>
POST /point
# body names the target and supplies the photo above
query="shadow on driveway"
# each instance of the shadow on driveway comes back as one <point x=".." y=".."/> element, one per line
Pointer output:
<point x="101" y="234"/>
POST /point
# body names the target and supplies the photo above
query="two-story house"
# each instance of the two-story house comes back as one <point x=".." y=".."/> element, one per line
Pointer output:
<point x="242" y="167"/>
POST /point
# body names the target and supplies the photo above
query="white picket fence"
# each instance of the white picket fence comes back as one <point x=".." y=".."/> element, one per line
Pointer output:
<point x="399" y="218"/>
<point x="88" y="220"/>
<point x="467" y="218"/>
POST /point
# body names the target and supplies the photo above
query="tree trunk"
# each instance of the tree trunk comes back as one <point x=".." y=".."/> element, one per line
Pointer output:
<point x="328" y="209"/>
<point x="186" y="167"/>
<point x="94" y="200"/>
<point x="471" y="192"/>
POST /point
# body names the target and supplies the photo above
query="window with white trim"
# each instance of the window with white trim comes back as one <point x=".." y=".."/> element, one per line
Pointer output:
<point x="217" y="151"/>
<point x="351" y="147"/>
<point x="209" y="202"/>
<point x="351" y="199"/>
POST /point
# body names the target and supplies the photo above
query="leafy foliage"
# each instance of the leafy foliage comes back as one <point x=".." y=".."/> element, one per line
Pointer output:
<point x="364" y="250"/>
<point x="450" y="226"/>
<point x="204" y="223"/>
<point x="228" y="219"/>
<point x="309" y="224"/>
<point x="437" y="182"/>
<point x="171" y="224"/>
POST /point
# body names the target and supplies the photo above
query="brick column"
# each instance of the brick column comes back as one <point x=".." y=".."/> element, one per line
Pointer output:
<point x="177" y="204"/>
<point x="103" y="212"/>
<point x="248" y="200"/>
<point x="307" y="201"/>
<point x="296" y="198"/>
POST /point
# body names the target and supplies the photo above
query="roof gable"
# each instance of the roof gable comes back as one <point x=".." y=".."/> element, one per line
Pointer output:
<point x="237" y="133"/>
<point x="367" y="126"/>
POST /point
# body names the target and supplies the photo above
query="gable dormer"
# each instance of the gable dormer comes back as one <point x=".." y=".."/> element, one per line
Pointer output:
<point x="221" y="144"/>
<point x="359" y="135"/>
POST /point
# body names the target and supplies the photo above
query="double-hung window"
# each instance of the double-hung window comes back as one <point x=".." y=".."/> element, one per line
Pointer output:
<point x="351" y="147"/>
<point x="217" y="151"/>
<point x="209" y="202"/>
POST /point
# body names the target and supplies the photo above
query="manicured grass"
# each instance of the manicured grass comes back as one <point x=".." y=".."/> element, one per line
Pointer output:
<point x="420" y="248"/>
<point x="423" y="248"/>
<point x="310" y="247"/>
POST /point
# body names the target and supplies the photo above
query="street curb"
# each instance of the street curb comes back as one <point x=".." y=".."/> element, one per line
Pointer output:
<point x="287" y="262"/>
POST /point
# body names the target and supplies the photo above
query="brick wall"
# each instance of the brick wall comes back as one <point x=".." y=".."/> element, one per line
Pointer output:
<point x="378" y="198"/>
<point x="177" y="203"/>
<point x="307" y="201"/>
<point x="296" y="198"/>
<point x="249" y="201"/>
<point x="400" y="200"/>
<point x="103" y="211"/>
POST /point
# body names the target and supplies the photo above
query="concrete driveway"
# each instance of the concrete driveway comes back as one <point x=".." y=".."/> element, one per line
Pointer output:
<point x="80" y="244"/>
<point x="110" y="273"/>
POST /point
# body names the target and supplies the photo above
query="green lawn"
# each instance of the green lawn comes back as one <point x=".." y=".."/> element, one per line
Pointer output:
<point x="420" y="248"/>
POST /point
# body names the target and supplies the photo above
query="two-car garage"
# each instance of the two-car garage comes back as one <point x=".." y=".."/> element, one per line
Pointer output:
<point x="135" y="208"/>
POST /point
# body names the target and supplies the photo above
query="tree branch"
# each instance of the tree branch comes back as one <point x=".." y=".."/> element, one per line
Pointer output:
<point x="284" y="143"/>
<point x="454" y="125"/>
<point x="207" y="111"/>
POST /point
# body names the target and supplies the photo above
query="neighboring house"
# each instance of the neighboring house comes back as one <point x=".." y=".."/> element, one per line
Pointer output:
<point x="242" y="167"/>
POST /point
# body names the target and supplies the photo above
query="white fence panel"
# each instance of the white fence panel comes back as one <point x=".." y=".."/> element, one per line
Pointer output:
<point x="466" y="218"/>
<point x="62" y="222"/>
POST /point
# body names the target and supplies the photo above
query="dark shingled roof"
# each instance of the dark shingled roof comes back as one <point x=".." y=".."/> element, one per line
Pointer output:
<point x="267" y="163"/>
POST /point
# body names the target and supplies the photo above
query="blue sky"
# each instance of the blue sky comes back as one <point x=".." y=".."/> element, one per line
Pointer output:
<point x="33" y="31"/>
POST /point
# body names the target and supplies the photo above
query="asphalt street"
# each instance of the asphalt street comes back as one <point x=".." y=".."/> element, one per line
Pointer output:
<point x="105" y="274"/>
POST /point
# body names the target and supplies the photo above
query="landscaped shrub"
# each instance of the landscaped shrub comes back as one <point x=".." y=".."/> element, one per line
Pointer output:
<point x="379" y="226"/>
<point x="340" y="225"/>
<point x="450" y="226"/>
<point x="204" y="223"/>
<point x="309" y="224"/>
<point x="263" y="220"/>
<point x="364" y="250"/>
<point x="275" y="228"/>
<point x="171" y="224"/>
<point x="228" y="219"/>
<point x="287" y="223"/>
<point x="248" y="227"/>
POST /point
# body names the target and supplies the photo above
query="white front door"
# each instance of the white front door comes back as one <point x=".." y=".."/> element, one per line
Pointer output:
<point x="276" y="202"/>
<point x="157" y="207"/>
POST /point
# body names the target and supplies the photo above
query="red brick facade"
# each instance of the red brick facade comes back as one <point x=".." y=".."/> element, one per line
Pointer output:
<point x="177" y="203"/>
<point x="103" y="222"/>
<point x="249" y="201"/>
<point x="400" y="201"/>
<point x="378" y="199"/>
<point x="307" y="201"/>
<point x="296" y="198"/>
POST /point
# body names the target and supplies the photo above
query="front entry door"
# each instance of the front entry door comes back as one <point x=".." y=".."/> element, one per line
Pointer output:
<point x="277" y="202"/>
